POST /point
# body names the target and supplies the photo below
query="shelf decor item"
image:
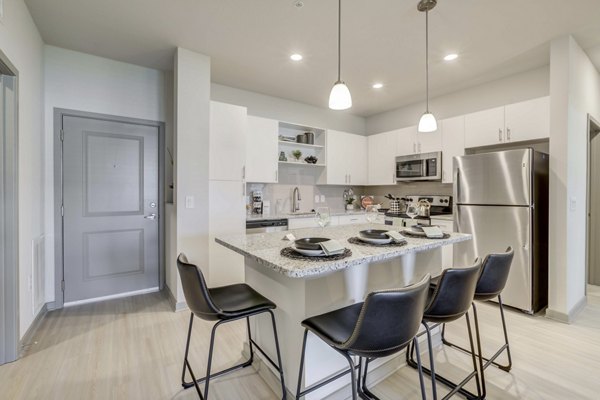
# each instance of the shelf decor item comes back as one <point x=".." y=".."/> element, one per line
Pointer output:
<point x="297" y="154"/>
<point x="311" y="159"/>
<point x="282" y="156"/>
<point x="350" y="203"/>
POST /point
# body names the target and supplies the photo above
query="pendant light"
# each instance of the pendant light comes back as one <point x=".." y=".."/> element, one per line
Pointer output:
<point x="340" y="98"/>
<point x="427" y="122"/>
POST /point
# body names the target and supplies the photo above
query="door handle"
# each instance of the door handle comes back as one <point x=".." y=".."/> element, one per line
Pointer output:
<point x="151" y="216"/>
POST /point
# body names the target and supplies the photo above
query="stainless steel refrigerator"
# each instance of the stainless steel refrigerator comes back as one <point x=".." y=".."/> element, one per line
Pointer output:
<point x="501" y="198"/>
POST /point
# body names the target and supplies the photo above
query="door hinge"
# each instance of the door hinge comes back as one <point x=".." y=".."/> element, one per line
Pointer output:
<point x="62" y="135"/>
<point x="62" y="210"/>
<point x="62" y="285"/>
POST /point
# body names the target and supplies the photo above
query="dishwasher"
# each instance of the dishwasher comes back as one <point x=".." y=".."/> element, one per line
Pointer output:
<point x="266" y="225"/>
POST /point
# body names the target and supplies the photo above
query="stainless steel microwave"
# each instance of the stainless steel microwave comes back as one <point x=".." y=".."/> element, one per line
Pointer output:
<point x="419" y="167"/>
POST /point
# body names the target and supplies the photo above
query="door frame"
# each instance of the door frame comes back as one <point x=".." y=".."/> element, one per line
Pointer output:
<point x="591" y="122"/>
<point x="9" y="210"/>
<point x="59" y="114"/>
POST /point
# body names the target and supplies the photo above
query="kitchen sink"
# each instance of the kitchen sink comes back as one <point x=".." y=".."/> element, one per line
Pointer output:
<point x="302" y="213"/>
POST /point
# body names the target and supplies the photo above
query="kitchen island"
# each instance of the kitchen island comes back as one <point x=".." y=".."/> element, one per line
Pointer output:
<point x="302" y="288"/>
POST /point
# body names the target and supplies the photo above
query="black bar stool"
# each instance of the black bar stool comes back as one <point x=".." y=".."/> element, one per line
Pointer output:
<point x="384" y="324"/>
<point x="449" y="300"/>
<point x="222" y="304"/>
<point x="493" y="278"/>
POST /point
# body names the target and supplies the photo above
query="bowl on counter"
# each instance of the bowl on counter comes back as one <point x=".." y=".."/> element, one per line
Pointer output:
<point x="311" y="159"/>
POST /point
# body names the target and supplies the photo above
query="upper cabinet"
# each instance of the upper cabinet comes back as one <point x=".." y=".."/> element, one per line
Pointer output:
<point x="411" y="141"/>
<point x="453" y="144"/>
<point x="227" y="142"/>
<point x="262" y="150"/>
<point x="382" y="158"/>
<point x="527" y="120"/>
<point x="346" y="159"/>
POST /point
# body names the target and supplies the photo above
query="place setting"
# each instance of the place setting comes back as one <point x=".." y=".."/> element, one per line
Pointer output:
<point x="425" y="231"/>
<point x="316" y="249"/>
<point x="378" y="238"/>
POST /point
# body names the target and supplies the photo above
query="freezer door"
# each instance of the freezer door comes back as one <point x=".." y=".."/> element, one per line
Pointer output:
<point x="499" y="178"/>
<point x="494" y="229"/>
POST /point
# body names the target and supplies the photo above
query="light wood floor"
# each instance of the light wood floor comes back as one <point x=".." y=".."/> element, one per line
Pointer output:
<point x="133" y="348"/>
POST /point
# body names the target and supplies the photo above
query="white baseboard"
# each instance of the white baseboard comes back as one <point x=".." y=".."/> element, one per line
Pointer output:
<point x="112" y="296"/>
<point x="569" y="317"/>
<point x="175" y="305"/>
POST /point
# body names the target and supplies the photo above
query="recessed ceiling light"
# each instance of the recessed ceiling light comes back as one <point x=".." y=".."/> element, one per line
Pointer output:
<point x="296" y="57"/>
<point x="451" y="57"/>
<point x="377" y="85"/>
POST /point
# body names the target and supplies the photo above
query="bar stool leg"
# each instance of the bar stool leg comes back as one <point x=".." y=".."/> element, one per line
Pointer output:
<point x="479" y="350"/>
<point x="508" y="367"/>
<point x="431" y="360"/>
<point x="420" y="369"/>
<point x="352" y="375"/>
<point x="473" y="356"/>
<point x="301" y="365"/>
<point x="283" y="389"/>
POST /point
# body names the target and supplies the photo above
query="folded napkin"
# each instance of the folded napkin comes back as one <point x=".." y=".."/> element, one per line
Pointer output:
<point x="332" y="247"/>
<point x="433" y="232"/>
<point x="396" y="236"/>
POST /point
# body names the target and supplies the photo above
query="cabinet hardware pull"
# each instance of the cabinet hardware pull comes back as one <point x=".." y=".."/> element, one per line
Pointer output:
<point x="499" y="135"/>
<point x="508" y="134"/>
<point x="414" y="147"/>
<point x="244" y="172"/>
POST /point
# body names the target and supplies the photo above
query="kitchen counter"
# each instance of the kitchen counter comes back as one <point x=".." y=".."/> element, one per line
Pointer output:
<point x="334" y="213"/>
<point x="446" y="217"/>
<point x="264" y="249"/>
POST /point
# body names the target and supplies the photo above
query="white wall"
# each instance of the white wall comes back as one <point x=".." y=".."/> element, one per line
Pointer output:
<point x="285" y="110"/>
<point x="84" y="82"/>
<point x="574" y="93"/>
<point x="22" y="44"/>
<point x="191" y="140"/>
<point x="512" y="89"/>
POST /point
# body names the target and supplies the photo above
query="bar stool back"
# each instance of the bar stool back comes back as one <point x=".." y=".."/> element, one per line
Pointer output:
<point x="222" y="304"/>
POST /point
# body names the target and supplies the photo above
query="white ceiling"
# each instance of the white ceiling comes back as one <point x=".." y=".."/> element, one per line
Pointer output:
<point x="382" y="40"/>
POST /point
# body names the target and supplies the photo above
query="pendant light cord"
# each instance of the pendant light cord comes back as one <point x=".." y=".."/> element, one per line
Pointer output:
<point x="339" y="40"/>
<point x="427" y="59"/>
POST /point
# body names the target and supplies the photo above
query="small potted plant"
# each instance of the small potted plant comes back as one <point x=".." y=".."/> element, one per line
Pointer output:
<point x="297" y="154"/>
<point x="350" y="203"/>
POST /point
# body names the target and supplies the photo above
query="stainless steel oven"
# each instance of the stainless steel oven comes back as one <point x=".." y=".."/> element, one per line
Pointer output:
<point x="419" y="167"/>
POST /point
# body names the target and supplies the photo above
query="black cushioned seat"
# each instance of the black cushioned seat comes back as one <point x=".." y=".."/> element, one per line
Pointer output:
<point x="222" y="304"/>
<point x="385" y="323"/>
<point x="239" y="299"/>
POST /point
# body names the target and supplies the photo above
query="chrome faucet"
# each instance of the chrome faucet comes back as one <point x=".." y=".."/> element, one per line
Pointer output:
<point x="296" y="200"/>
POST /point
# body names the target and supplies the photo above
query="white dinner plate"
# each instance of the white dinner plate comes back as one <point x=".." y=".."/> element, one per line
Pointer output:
<point x="309" y="253"/>
<point x="375" y="241"/>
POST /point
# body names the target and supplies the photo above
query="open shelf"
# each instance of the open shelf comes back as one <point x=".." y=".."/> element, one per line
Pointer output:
<point x="302" y="164"/>
<point x="305" y="145"/>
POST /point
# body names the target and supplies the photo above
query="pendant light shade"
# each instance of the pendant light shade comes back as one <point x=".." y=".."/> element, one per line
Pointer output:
<point x="340" y="98"/>
<point x="427" y="123"/>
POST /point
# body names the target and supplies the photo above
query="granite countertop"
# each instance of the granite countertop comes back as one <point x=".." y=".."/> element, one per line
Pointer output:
<point x="264" y="248"/>
<point x="334" y="213"/>
<point x="448" y="217"/>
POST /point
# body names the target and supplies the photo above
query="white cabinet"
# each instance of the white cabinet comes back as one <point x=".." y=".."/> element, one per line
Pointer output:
<point x="406" y="141"/>
<point x="227" y="141"/>
<point x="346" y="158"/>
<point x="352" y="219"/>
<point x="453" y="144"/>
<point x="411" y="141"/>
<point x="382" y="159"/>
<point x="226" y="216"/>
<point x="484" y="128"/>
<point x="447" y="251"/>
<point x="262" y="150"/>
<point x="527" y="120"/>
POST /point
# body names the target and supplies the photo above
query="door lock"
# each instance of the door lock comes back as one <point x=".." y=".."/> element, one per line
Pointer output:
<point x="151" y="216"/>
<point x="153" y="205"/>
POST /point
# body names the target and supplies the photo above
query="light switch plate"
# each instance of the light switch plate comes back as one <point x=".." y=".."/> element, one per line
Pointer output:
<point x="189" y="201"/>
<point x="572" y="203"/>
<point x="2" y="11"/>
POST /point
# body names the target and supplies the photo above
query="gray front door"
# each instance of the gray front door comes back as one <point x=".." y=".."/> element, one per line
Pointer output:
<point x="110" y="189"/>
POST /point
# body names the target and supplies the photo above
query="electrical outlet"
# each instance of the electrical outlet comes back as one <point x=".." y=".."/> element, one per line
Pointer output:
<point x="317" y="198"/>
<point x="322" y="198"/>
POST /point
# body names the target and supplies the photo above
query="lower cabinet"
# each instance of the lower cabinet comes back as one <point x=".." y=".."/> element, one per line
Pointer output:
<point x="447" y="251"/>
